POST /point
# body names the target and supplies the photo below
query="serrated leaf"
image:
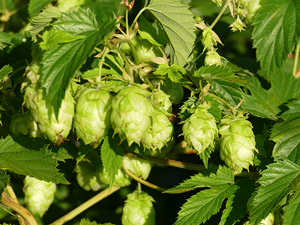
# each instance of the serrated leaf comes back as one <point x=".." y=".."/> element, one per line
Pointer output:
<point x="276" y="31"/>
<point x="51" y="38"/>
<point x="4" y="180"/>
<point x="105" y="9"/>
<point x="287" y="137"/>
<point x="179" y="31"/>
<point x="293" y="110"/>
<point x="60" y="63"/>
<point x="203" y="205"/>
<point x="276" y="182"/>
<point x="215" y="72"/>
<point x="236" y="205"/>
<point x="174" y="72"/>
<point x="4" y="71"/>
<point x="28" y="156"/>
<point x="111" y="156"/>
<point x="224" y="175"/>
<point x="292" y="211"/>
<point x="35" y="6"/>
<point x="216" y="108"/>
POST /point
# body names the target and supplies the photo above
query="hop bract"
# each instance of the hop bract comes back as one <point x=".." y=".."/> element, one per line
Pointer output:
<point x="159" y="133"/>
<point x="121" y="178"/>
<point x="139" y="167"/>
<point x="92" y="115"/>
<point x="131" y="111"/>
<point x="138" y="209"/>
<point x="25" y="125"/>
<point x="38" y="195"/>
<point x="161" y="100"/>
<point x="237" y="144"/>
<point x="200" y="130"/>
<point x="56" y="129"/>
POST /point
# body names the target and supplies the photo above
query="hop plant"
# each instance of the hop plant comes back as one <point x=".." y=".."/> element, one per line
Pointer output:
<point x="121" y="178"/>
<point x="212" y="58"/>
<point x="138" y="209"/>
<point x="39" y="195"/>
<point x="237" y="143"/>
<point x="160" y="99"/>
<point x="92" y="115"/>
<point x="200" y="130"/>
<point x="131" y="111"/>
<point x="56" y="129"/>
<point x="25" y="125"/>
<point x="159" y="133"/>
<point x="173" y="90"/>
<point x="139" y="167"/>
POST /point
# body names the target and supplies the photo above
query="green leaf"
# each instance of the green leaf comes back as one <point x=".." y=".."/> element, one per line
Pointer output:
<point x="203" y="205"/>
<point x="105" y="9"/>
<point x="51" y="38"/>
<point x="215" y="72"/>
<point x="179" y="31"/>
<point x="28" y="156"/>
<point x="60" y="63"/>
<point x="276" y="31"/>
<point x="4" y="71"/>
<point x="292" y="210"/>
<point x="276" y="182"/>
<point x="293" y="110"/>
<point x="4" y="180"/>
<point x="236" y="205"/>
<point x="35" y="6"/>
<point x="111" y="155"/>
<point x="287" y="137"/>
<point x="174" y="72"/>
<point x="88" y="222"/>
<point x="223" y="176"/>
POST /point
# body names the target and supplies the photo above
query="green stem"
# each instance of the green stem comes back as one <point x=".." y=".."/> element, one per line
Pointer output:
<point x="220" y="14"/>
<point x="222" y="100"/>
<point x="296" y="59"/>
<point x="105" y="51"/>
<point x="137" y="17"/>
<point x="134" y="53"/>
<point x="75" y="212"/>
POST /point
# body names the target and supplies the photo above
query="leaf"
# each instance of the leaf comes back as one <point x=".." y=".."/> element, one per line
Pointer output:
<point x="179" y="31"/>
<point x="292" y="210"/>
<point x="224" y="175"/>
<point x="60" y="63"/>
<point x="4" y="180"/>
<point x="51" y="38"/>
<point x="287" y="137"/>
<point x="112" y="156"/>
<point x="293" y="110"/>
<point x="236" y="205"/>
<point x="4" y="71"/>
<point x="87" y="222"/>
<point x="35" y="6"/>
<point x="215" y="72"/>
<point x="105" y="9"/>
<point x="276" y="182"/>
<point x="174" y="72"/>
<point x="203" y="205"/>
<point x="276" y="32"/>
<point x="27" y="156"/>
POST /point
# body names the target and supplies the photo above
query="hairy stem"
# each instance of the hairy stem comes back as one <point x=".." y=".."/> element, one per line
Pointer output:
<point x="75" y="212"/>
<point x="220" y="14"/>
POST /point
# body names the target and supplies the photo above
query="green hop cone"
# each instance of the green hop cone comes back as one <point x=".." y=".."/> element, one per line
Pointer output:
<point x="25" y="125"/>
<point x="160" y="99"/>
<point x="131" y="111"/>
<point x="121" y="178"/>
<point x="139" y="167"/>
<point x="138" y="209"/>
<point x="87" y="176"/>
<point x="145" y="51"/>
<point x="55" y="129"/>
<point x="200" y="130"/>
<point x="237" y="143"/>
<point x="212" y="58"/>
<point x="39" y="195"/>
<point x="92" y="115"/>
<point x="159" y="133"/>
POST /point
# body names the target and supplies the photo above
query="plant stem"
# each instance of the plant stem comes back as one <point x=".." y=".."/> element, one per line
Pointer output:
<point x="105" y="51"/>
<point x="296" y="59"/>
<point x="137" y="17"/>
<point x="105" y="193"/>
<point x="222" y="100"/>
<point x="220" y="14"/>
<point x="144" y="182"/>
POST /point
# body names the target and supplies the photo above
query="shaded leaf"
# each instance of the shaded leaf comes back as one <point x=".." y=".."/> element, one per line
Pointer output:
<point x="35" y="6"/>
<point x="174" y="72"/>
<point x="293" y="110"/>
<point x="4" y="180"/>
<point x="292" y="211"/>
<point x="4" y="71"/>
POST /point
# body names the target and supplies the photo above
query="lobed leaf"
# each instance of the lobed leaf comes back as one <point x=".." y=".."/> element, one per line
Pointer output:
<point x="180" y="32"/>
<point x="293" y="110"/>
<point x="35" y="6"/>
<point x="276" y="182"/>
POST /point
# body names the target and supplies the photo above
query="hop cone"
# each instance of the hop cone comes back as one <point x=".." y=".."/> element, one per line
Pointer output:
<point x="139" y="167"/>
<point x="200" y="130"/>
<point x="159" y="133"/>
<point x="55" y="129"/>
<point x="38" y="195"/>
<point x="131" y="111"/>
<point x="237" y="144"/>
<point x="25" y="125"/>
<point x="92" y="115"/>
<point x="138" y="209"/>
<point x="212" y="58"/>
<point x="161" y="100"/>
<point x="121" y="179"/>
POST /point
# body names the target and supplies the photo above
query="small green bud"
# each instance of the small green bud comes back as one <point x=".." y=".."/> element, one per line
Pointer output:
<point x="212" y="58"/>
<point x="139" y="167"/>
